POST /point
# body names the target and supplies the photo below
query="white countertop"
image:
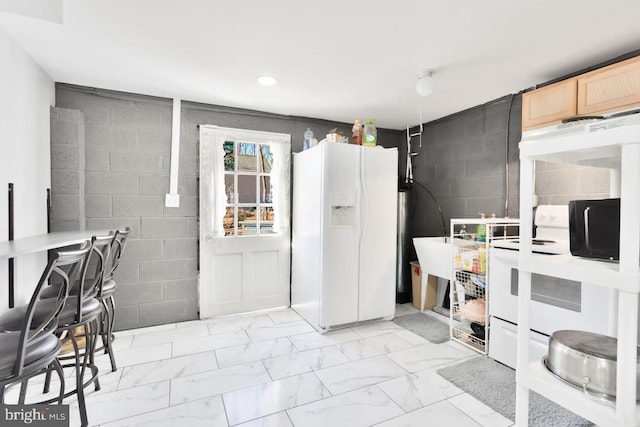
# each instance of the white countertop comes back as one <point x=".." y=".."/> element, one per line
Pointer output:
<point x="44" y="242"/>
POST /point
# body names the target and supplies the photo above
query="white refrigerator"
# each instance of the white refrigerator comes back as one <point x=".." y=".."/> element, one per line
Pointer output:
<point x="344" y="234"/>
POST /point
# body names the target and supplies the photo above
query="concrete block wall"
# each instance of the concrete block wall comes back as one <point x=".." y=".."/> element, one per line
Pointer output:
<point x="67" y="169"/>
<point x="127" y="151"/>
<point x="462" y="163"/>
<point x="127" y="147"/>
<point x="557" y="184"/>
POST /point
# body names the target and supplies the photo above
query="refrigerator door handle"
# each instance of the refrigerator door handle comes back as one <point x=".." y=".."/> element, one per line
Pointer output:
<point x="364" y="207"/>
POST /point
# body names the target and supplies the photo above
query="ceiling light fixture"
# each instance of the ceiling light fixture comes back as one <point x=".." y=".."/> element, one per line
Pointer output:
<point x="267" y="81"/>
<point x="425" y="85"/>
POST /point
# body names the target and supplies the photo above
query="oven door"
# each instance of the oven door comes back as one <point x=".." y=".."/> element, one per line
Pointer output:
<point x="555" y="303"/>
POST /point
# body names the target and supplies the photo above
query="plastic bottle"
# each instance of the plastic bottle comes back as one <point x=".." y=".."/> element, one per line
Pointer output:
<point x="308" y="137"/>
<point x="481" y="231"/>
<point x="482" y="260"/>
<point x="370" y="134"/>
<point x="356" y="131"/>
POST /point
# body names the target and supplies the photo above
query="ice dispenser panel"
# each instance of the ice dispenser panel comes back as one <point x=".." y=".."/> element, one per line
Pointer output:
<point x="343" y="209"/>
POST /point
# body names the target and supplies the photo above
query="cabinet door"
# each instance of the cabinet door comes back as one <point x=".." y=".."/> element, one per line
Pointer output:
<point x="548" y="105"/>
<point x="616" y="87"/>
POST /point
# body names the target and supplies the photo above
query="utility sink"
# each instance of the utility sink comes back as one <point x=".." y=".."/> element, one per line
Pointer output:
<point x="434" y="255"/>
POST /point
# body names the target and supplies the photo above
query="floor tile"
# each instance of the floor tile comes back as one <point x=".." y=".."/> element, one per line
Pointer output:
<point x="146" y="330"/>
<point x="211" y="342"/>
<point x="480" y="412"/>
<point x="438" y="414"/>
<point x="193" y="331"/>
<point x="207" y="412"/>
<point x="254" y="351"/>
<point x="410" y="337"/>
<point x="106" y="407"/>
<point x="210" y="372"/>
<point x="135" y="356"/>
<point x="315" y="340"/>
<point x="373" y="346"/>
<point x="211" y="383"/>
<point x="360" y="408"/>
<point x="281" y="419"/>
<point x="353" y="375"/>
<point x="377" y="328"/>
<point x="280" y="330"/>
<point x="427" y="356"/>
<point x="238" y="324"/>
<point x="284" y="316"/>
<point x="254" y="402"/>
<point x="415" y="391"/>
<point x="304" y="361"/>
<point x="167" y="369"/>
<point x="121" y="343"/>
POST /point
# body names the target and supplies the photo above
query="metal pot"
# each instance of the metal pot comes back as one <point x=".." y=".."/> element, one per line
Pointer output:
<point x="587" y="361"/>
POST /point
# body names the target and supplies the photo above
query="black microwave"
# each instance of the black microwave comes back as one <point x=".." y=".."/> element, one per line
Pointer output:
<point x="594" y="228"/>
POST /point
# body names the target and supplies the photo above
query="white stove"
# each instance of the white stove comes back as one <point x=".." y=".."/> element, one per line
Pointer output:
<point x="552" y="232"/>
<point x="556" y="303"/>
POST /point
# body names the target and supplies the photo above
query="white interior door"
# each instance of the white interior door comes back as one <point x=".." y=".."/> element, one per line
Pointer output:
<point x="244" y="220"/>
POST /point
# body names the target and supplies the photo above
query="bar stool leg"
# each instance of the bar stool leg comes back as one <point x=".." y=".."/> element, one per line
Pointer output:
<point x="23" y="392"/>
<point x="79" y="381"/>
<point x="94" y="331"/>
<point x="110" y="321"/>
<point x="58" y="368"/>
<point x="47" y="381"/>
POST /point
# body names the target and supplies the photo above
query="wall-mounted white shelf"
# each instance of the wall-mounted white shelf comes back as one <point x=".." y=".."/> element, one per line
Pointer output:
<point x="616" y="148"/>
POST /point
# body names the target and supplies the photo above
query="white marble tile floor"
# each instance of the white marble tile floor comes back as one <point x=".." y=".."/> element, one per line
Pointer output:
<point x="271" y="369"/>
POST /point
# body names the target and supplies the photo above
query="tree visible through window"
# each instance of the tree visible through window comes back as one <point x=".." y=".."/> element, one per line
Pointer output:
<point x="249" y="189"/>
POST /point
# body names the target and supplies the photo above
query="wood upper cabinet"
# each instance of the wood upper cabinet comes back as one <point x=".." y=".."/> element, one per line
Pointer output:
<point x="612" y="88"/>
<point x="550" y="104"/>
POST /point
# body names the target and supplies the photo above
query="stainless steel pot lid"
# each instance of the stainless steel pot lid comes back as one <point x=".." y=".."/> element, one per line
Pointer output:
<point x="602" y="346"/>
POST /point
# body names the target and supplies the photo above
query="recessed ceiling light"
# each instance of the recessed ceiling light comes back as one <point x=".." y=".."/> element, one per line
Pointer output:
<point x="267" y="81"/>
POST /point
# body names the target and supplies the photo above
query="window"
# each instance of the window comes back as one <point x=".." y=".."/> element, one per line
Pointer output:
<point x="248" y="189"/>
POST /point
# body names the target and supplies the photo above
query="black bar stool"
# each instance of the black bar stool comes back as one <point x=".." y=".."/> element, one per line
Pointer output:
<point x="82" y="311"/>
<point x="33" y="348"/>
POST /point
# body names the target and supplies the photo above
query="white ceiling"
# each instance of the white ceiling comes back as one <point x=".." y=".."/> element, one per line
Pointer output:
<point x="337" y="60"/>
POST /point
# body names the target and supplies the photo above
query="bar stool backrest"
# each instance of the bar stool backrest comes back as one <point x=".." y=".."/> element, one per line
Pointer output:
<point x="67" y="267"/>
<point x="98" y="263"/>
<point x="119" y="244"/>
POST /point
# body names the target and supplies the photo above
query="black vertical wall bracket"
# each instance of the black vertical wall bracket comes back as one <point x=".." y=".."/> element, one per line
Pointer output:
<point x="48" y="210"/>
<point x="11" y="265"/>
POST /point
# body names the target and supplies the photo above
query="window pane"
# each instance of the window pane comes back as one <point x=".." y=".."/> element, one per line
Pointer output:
<point x="229" y="188"/>
<point x="265" y="190"/>
<point x="266" y="158"/>
<point x="247" y="221"/>
<point x="247" y="189"/>
<point x="247" y="156"/>
<point x="266" y="221"/>
<point x="228" y="222"/>
<point x="229" y="159"/>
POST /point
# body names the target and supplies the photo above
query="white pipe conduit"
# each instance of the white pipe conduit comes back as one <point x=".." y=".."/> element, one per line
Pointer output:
<point x="172" y="199"/>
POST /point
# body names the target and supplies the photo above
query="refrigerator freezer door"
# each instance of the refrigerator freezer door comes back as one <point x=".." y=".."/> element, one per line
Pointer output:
<point x="306" y="268"/>
<point x="340" y="231"/>
<point x="377" y="241"/>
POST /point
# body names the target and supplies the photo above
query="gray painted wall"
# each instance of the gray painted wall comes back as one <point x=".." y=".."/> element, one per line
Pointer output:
<point x="127" y="151"/>
<point x="67" y="170"/>
<point x="462" y="162"/>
